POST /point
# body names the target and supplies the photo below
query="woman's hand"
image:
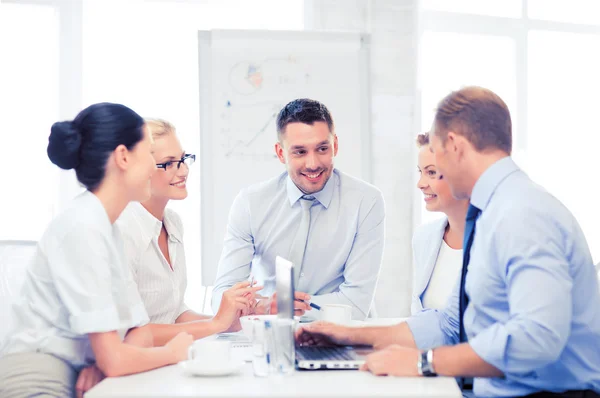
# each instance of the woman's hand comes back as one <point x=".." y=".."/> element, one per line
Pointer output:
<point x="237" y="301"/>
<point x="88" y="378"/>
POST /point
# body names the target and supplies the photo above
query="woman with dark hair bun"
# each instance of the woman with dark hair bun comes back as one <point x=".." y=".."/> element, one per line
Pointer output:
<point x="78" y="305"/>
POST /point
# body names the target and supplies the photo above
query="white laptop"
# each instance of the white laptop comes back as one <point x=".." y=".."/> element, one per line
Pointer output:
<point x="313" y="357"/>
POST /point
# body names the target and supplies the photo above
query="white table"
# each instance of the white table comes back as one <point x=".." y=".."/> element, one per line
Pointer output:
<point x="170" y="381"/>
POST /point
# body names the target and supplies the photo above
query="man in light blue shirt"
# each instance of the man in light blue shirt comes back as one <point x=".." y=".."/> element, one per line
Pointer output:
<point x="329" y="224"/>
<point x="532" y="317"/>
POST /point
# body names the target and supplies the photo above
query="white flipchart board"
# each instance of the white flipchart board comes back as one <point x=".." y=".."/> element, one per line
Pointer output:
<point x="246" y="77"/>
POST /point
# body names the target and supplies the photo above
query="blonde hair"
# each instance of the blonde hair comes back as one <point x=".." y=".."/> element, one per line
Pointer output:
<point x="159" y="127"/>
<point x="422" y="139"/>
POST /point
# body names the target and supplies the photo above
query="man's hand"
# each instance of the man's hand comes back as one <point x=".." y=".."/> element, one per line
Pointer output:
<point x="237" y="301"/>
<point x="88" y="378"/>
<point x="394" y="360"/>
<point x="268" y="305"/>
<point x="325" y="333"/>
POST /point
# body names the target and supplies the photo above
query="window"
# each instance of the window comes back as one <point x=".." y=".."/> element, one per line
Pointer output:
<point x="504" y="8"/>
<point x="562" y="144"/>
<point x="544" y="64"/>
<point x="573" y="11"/>
<point x="29" y="81"/>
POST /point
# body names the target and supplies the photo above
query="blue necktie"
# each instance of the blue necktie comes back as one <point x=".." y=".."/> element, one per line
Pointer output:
<point x="472" y="214"/>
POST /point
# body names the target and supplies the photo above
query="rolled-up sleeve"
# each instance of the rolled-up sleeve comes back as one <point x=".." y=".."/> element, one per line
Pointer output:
<point x="81" y="271"/>
<point x="238" y="250"/>
<point x="362" y="267"/>
<point x="433" y="328"/>
<point x="182" y="308"/>
<point x="538" y="326"/>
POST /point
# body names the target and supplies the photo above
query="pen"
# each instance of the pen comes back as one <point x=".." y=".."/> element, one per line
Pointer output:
<point x="315" y="306"/>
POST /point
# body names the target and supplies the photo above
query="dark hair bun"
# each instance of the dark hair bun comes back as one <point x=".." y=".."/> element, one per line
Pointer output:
<point x="64" y="144"/>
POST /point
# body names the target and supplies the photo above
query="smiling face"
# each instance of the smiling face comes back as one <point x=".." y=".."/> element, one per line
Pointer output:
<point x="308" y="151"/>
<point x="169" y="183"/>
<point x="436" y="192"/>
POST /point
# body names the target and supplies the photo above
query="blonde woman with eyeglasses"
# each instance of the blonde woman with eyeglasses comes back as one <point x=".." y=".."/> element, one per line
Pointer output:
<point x="153" y="236"/>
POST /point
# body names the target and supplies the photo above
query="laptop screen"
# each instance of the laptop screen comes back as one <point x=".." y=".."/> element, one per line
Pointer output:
<point x="284" y="286"/>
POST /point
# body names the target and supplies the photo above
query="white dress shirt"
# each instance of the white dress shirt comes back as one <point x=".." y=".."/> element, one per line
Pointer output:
<point x="77" y="283"/>
<point x="161" y="287"/>
<point x="445" y="274"/>
<point x="344" y="247"/>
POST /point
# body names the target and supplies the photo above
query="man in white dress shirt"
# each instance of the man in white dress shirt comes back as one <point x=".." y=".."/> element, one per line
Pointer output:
<point x="329" y="224"/>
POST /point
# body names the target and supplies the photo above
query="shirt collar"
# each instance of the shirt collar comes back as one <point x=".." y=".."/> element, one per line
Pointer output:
<point x="173" y="227"/>
<point x="490" y="179"/>
<point x="323" y="196"/>
<point x="151" y="226"/>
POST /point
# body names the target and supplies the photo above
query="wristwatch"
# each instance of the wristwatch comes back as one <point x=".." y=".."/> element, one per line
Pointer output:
<point x="425" y="364"/>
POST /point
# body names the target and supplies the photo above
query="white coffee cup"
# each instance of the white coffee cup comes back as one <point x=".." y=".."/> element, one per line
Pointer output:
<point x="336" y="313"/>
<point x="217" y="352"/>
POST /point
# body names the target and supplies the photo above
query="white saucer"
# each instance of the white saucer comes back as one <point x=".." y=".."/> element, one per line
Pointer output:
<point x="197" y="368"/>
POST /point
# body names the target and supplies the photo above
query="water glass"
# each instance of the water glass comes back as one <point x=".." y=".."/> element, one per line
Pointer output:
<point x="283" y="348"/>
<point x="273" y="350"/>
<point x="260" y="359"/>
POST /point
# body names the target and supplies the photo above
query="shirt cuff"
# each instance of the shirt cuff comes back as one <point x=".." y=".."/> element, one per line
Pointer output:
<point x="182" y="308"/>
<point x="99" y="321"/>
<point x="426" y="330"/>
<point x="490" y="345"/>
<point x="139" y="316"/>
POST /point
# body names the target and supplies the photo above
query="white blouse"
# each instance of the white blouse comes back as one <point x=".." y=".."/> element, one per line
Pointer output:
<point x="162" y="289"/>
<point x="77" y="283"/>
<point x="445" y="274"/>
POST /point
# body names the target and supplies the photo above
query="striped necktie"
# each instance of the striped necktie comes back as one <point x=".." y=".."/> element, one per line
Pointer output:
<point x="296" y="255"/>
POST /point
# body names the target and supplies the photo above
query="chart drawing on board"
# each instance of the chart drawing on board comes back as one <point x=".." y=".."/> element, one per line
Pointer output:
<point x="252" y="102"/>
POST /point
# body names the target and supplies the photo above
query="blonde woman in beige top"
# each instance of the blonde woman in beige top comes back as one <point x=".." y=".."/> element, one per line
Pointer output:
<point x="153" y="237"/>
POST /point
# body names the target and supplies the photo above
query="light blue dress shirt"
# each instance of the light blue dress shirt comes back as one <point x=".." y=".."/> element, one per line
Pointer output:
<point x="344" y="246"/>
<point x="534" y="309"/>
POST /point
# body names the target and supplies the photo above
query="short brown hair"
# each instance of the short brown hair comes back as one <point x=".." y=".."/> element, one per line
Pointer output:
<point x="422" y="139"/>
<point x="303" y="110"/>
<point x="479" y="115"/>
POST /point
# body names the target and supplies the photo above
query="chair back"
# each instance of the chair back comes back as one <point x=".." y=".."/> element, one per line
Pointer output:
<point x="15" y="255"/>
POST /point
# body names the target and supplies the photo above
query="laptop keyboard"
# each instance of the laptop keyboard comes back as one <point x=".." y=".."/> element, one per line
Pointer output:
<point x="308" y="353"/>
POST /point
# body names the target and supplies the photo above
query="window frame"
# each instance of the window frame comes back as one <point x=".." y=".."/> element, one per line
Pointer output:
<point x="515" y="28"/>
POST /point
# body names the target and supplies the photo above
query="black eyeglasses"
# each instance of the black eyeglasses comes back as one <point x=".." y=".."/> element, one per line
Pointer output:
<point x="188" y="159"/>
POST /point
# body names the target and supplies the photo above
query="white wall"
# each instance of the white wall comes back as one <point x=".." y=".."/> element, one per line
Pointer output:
<point x="393" y="25"/>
